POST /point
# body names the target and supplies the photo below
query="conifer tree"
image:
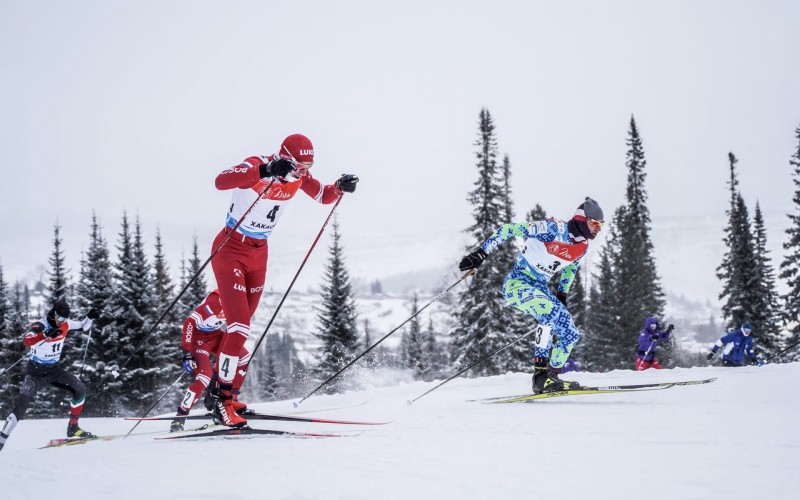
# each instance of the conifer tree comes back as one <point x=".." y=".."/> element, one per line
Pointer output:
<point x="95" y="289"/>
<point x="433" y="359"/>
<point x="413" y="338"/>
<point x="599" y="347"/>
<point x="17" y="322"/>
<point x="764" y="294"/>
<point x="578" y="304"/>
<point x="198" y="289"/>
<point x="165" y="344"/>
<point x="58" y="287"/>
<point x="738" y="268"/>
<point x="482" y="315"/>
<point x="536" y="213"/>
<point x="639" y="292"/>
<point x="336" y="317"/>
<point x="271" y="380"/>
<point x="790" y="267"/>
<point x="133" y="307"/>
<point x="8" y="352"/>
<point x="5" y="314"/>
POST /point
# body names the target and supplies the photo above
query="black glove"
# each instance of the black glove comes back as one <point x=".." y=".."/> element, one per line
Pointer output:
<point x="472" y="261"/>
<point x="710" y="356"/>
<point x="670" y="327"/>
<point x="654" y="336"/>
<point x="276" y="168"/>
<point x="347" y="183"/>
<point x="562" y="297"/>
<point x="52" y="333"/>
<point x="93" y="313"/>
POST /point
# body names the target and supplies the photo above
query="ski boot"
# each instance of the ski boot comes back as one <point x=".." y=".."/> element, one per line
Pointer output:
<point x="208" y="400"/>
<point x="74" y="431"/>
<point x="240" y="407"/>
<point x="224" y="410"/>
<point x="176" y="426"/>
<point x="545" y="378"/>
<point x="539" y="374"/>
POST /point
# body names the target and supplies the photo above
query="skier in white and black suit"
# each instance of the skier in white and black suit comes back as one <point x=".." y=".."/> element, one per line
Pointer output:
<point x="46" y="339"/>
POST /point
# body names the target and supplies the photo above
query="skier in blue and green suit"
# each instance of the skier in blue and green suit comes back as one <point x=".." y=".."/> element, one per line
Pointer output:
<point x="550" y="246"/>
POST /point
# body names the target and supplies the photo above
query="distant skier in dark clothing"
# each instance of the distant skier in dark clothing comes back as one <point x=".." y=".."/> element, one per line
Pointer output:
<point x="735" y="346"/>
<point x="46" y="339"/>
<point x="649" y="338"/>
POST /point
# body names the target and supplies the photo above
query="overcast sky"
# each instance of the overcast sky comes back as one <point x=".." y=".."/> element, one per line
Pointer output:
<point x="137" y="105"/>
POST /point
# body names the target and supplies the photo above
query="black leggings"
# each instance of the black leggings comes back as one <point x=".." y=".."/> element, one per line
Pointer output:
<point x="38" y="376"/>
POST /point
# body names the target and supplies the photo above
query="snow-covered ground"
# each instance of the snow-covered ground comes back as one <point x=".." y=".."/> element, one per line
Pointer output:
<point x="734" y="438"/>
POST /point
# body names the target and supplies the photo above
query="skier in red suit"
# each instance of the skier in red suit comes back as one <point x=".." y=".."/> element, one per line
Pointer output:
<point x="200" y="339"/>
<point x="240" y="266"/>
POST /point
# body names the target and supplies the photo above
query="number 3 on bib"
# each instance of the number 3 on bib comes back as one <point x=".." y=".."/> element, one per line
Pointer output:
<point x="541" y="336"/>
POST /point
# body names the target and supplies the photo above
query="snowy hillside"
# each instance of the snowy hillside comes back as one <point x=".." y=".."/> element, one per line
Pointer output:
<point x="731" y="439"/>
<point x="298" y="317"/>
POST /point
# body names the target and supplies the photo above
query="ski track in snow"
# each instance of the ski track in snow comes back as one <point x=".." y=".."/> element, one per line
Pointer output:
<point x="734" y="438"/>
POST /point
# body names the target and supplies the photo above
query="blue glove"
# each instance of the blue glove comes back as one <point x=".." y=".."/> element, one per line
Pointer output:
<point x="189" y="363"/>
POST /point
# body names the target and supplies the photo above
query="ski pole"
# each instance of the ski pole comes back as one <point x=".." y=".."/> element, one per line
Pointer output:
<point x="12" y="366"/>
<point x="645" y="354"/>
<point x="472" y="365"/>
<point x="156" y="403"/>
<point x="86" y="350"/>
<point x="783" y="351"/>
<point x="27" y="354"/>
<point x="286" y="294"/>
<point x="115" y="373"/>
<point x="348" y="365"/>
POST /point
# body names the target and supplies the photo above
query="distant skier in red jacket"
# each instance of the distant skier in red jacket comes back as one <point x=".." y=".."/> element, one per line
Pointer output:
<point x="240" y="267"/>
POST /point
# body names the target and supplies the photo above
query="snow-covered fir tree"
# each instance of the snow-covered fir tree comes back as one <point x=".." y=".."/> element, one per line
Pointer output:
<point x="433" y="360"/>
<point x="165" y="342"/>
<point x="414" y="341"/>
<point x="639" y="292"/>
<point x="58" y="287"/>
<point x="482" y="314"/>
<point x="577" y="304"/>
<point x="598" y="348"/>
<point x="133" y="307"/>
<point x="96" y="288"/>
<point x="8" y="339"/>
<point x="17" y="322"/>
<point x="371" y="358"/>
<point x="737" y="272"/>
<point x="765" y="320"/>
<point x="287" y="376"/>
<point x="790" y="266"/>
<point x="197" y="289"/>
<point x="336" y="317"/>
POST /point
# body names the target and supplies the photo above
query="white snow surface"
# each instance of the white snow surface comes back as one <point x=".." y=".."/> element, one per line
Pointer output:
<point x="734" y="438"/>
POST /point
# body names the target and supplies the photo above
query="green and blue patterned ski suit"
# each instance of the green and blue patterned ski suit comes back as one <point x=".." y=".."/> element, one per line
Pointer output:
<point x="549" y="248"/>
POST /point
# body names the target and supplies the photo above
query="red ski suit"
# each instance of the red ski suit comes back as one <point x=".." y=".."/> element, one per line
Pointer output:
<point x="202" y="334"/>
<point x="240" y="267"/>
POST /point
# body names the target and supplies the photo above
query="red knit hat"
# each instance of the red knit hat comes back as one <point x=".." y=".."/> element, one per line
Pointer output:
<point x="298" y="147"/>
